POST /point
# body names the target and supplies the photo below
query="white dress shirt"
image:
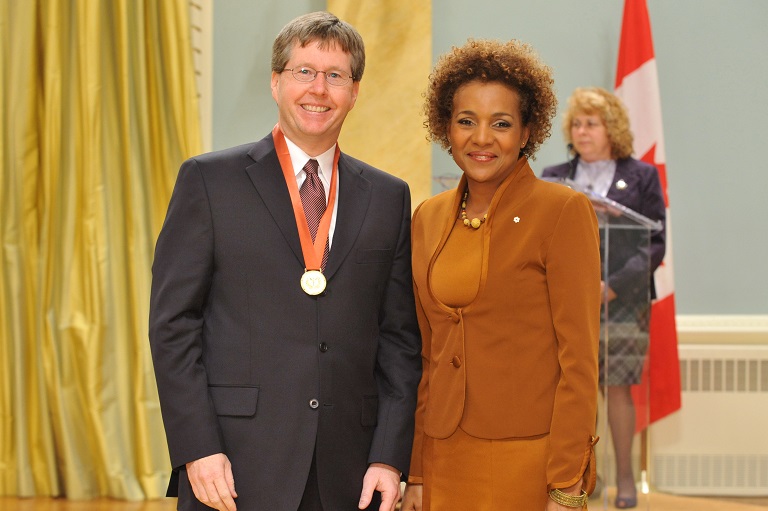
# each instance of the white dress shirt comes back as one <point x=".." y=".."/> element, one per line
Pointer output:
<point x="595" y="176"/>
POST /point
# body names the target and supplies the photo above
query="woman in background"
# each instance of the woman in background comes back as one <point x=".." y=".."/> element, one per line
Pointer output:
<point x="596" y="126"/>
<point x="507" y="277"/>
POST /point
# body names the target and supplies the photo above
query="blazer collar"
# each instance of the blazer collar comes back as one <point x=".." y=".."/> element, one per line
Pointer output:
<point x="623" y="173"/>
<point x="267" y="177"/>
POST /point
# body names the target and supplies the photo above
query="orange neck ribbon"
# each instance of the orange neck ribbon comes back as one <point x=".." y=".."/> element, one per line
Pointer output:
<point x="312" y="252"/>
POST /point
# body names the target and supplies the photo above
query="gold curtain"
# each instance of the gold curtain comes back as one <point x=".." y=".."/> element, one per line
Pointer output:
<point x="98" y="108"/>
<point x="386" y="128"/>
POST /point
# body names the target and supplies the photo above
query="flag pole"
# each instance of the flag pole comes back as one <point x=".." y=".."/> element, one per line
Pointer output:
<point x="645" y="471"/>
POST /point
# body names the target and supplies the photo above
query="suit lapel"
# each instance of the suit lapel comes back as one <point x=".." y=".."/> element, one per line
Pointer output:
<point x="268" y="179"/>
<point x="354" y="198"/>
<point x="620" y="174"/>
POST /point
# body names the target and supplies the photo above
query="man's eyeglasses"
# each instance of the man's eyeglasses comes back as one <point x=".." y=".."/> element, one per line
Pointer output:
<point x="307" y="74"/>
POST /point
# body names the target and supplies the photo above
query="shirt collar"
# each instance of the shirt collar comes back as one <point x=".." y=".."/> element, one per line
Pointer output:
<point x="299" y="158"/>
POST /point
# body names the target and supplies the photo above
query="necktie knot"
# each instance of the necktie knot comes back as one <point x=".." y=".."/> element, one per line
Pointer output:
<point x="311" y="167"/>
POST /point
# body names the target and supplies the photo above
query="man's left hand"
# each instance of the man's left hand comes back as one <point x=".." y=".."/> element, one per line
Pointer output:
<point x="386" y="480"/>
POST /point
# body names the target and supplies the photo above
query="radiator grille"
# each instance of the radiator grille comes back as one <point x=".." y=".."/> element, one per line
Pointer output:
<point x="714" y="473"/>
<point x="717" y="444"/>
<point x="724" y="375"/>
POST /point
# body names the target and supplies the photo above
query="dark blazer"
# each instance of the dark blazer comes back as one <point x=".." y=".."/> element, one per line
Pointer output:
<point x="644" y="195"/>
<point x="241" y="353"/>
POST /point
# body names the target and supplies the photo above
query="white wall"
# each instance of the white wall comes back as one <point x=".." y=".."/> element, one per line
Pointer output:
<point x="243" y="32"/>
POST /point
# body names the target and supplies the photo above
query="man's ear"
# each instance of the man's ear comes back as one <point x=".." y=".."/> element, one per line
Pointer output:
<point x="355" y="91"/>
<point x="273" y="84"/>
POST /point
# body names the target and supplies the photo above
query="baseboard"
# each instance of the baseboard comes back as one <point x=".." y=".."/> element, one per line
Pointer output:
<point x="722" y="329"/>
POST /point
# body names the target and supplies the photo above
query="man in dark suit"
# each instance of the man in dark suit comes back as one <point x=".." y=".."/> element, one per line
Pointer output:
<point x="284" y="337"/>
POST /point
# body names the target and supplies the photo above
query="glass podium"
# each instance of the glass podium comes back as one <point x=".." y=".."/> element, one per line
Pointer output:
<point x="624" y="339"/>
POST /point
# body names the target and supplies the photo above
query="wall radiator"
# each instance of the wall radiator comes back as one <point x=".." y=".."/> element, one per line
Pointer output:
<point x="717" y="444"/>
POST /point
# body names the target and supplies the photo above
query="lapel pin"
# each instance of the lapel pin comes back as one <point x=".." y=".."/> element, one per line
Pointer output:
<point x="621" y="184"/>
<point x="517" y="219"/>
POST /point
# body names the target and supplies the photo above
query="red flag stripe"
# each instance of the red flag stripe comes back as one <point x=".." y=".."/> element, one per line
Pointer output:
<point x="658" y="394"/>
<point x="635" y="46"/>
<point x="664" y="391"/>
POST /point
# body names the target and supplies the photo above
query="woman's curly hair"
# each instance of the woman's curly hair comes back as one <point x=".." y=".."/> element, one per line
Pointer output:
<point x="600" y="102"/>
<point x="514" y="64"/>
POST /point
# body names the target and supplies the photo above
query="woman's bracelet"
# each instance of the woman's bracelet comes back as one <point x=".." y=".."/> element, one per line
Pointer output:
<point x="567" y="500"/>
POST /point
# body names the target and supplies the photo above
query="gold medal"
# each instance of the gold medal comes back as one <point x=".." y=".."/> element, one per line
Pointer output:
<point x="313" y="282"/>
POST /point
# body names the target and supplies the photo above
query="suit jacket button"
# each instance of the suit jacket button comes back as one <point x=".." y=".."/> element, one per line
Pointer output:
<point x="314" y="403"/>
<point x="456" y="362"/>
<point x="323" y="347"/>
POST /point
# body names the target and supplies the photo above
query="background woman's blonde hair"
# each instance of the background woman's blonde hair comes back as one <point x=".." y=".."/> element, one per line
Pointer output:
<point x="600" y="102"/>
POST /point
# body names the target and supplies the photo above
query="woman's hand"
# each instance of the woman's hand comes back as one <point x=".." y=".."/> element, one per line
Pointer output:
<point x="573" y="490"/>
<point x="606" y="296"/>
<point x="412" y="497"/>
<point x="554" y="506"/>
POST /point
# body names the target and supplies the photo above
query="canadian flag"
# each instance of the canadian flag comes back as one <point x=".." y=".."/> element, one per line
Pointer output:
<point x="637" y="84"/>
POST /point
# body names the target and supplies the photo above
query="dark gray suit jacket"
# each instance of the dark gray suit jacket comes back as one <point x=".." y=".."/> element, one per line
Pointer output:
<point x="241" y="352"/>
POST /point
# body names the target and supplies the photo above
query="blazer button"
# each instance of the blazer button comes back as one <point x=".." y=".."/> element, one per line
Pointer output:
<point x="323" y="347"/>
<point x="314" y="404"/>
<point x="456" y="362"/>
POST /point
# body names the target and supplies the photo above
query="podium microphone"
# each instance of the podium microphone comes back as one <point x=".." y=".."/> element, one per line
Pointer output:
<point x="572" y="169"/>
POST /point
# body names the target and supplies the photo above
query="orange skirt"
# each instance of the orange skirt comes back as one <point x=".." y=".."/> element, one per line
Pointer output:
<point x="463" y="472"/>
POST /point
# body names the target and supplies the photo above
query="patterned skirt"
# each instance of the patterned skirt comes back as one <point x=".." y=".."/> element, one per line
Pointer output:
<point x="626" y="343"/>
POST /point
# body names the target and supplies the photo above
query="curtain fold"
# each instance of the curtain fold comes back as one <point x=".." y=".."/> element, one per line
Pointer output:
<point x="386" y="127"/>
<point x="98" y="108"/>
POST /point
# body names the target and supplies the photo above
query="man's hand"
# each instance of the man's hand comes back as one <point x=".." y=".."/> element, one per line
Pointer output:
<point x="413" y="497"/>
<point x="212" y="481"/>
<point x="385" y="479"/>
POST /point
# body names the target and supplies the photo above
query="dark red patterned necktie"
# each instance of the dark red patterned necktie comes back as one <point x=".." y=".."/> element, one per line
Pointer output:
<point x="313" y="199"/>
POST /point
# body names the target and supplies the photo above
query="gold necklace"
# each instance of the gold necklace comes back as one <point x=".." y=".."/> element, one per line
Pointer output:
<point x="475" y="223"/>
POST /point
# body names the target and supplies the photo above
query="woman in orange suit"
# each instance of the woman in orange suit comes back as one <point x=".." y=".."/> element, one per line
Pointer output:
<point x="506" y="271"/>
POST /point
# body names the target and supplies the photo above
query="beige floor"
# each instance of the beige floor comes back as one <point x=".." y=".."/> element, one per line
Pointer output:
<point x="658" y="502"/>
<point x="665" y="502"/>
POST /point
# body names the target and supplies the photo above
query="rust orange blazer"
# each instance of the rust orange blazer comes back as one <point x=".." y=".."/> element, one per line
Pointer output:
<point x="521" y="359"/>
